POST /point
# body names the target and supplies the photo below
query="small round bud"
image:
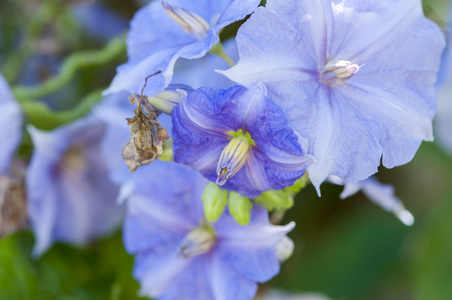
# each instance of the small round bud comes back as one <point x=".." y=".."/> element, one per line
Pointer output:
<point x="272" y="200"/>
<point x="167" y="100"/>
<point x="215" y="200"/>
<point x="284" y="248"/>
<point x="239" y="207"/>
<point x="167" y="154"/>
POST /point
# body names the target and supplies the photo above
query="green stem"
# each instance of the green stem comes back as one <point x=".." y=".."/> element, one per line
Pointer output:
<point x="71" y="65"/>
<point x="42" y="117"/>
<point x="218" y="50"/>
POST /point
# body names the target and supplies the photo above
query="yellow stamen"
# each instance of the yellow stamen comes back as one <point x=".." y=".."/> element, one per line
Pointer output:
<point x="233" y="157"/>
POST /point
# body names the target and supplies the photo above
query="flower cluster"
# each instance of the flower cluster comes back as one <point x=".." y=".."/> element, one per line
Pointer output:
<point x="327" y="88"/>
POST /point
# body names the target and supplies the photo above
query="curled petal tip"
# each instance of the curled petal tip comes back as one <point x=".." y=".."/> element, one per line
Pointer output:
<point x="406" y="217"/>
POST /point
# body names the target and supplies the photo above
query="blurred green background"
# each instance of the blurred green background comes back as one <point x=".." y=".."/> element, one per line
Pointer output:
<point x="345" y="249"/>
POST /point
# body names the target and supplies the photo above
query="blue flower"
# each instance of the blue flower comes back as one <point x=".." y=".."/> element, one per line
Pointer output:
<point x="443" y="119"/>
<point x="237" y="136"/>
<point x="162" y="32"/>
<point x="354" y="78"/>
<point x="10" y="125"/>
<point x="115" y="108"/>
<point x="70" y="197"/>
<point x="178" y="255"/>
<point x="201" y="72"/>
<point x="381" y="194"/>
<point x="113" y="111"/>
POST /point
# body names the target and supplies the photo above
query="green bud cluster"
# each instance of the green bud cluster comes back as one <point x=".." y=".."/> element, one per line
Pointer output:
<point x="215" y="200"/>
<point x="281" y="199"/>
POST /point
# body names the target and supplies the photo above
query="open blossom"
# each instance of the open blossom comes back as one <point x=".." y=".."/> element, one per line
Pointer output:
<point x="443" y="118"/>
<point x="115" y="108"/>
<point x="10" y="125"/>
<point x="70" y="197"/>
<point x="201" y="72"/>
<point x="178" y="255"/>
<point x="354" y="78"/>
<point x="238" y="138"/>
<point x="164" y="31"/>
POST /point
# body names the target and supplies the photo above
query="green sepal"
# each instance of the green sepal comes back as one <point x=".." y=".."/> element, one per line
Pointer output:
<point x="298" y="185"/>
<point x="218" y="50"/>
<point x="275" y="200"/>
<point x="215" y="200"/>
<point x="167" y="150"/>
<point x="282" y="199"/>
<point x="240" y="207"/>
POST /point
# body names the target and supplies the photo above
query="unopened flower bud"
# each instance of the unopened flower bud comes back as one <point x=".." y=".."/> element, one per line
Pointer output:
<point x="215" y="200"/>
<point x="272" y="200"/>
<point x="167" y="100"/>
<point x="167" y="154"/>
<point x="284" y="248"/>
<point x="239" y="207"/>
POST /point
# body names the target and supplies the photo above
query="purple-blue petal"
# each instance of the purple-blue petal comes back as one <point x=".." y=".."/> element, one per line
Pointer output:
<point x="250" y="249"/>
<point x="385" y="109"/>
<point x="201" y="72"/>
<point x="70" y="200"/>
<point x="10" y="125"/>
<point x="201" y="125"/>
<point x="156" y="225"/>
<point x="156" y="42"/>
<point x="228" y="283"/>
<point x="158" y="268"/>
<point x="166" y="190"/>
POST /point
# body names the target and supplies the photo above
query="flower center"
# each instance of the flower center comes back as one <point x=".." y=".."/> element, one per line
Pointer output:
<point x="234" y="155"/>
<point x="189" y="21"/>
<point x="74" y="161"/>
<point x="338" y="72"/>
<point x="198" y="241"/>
